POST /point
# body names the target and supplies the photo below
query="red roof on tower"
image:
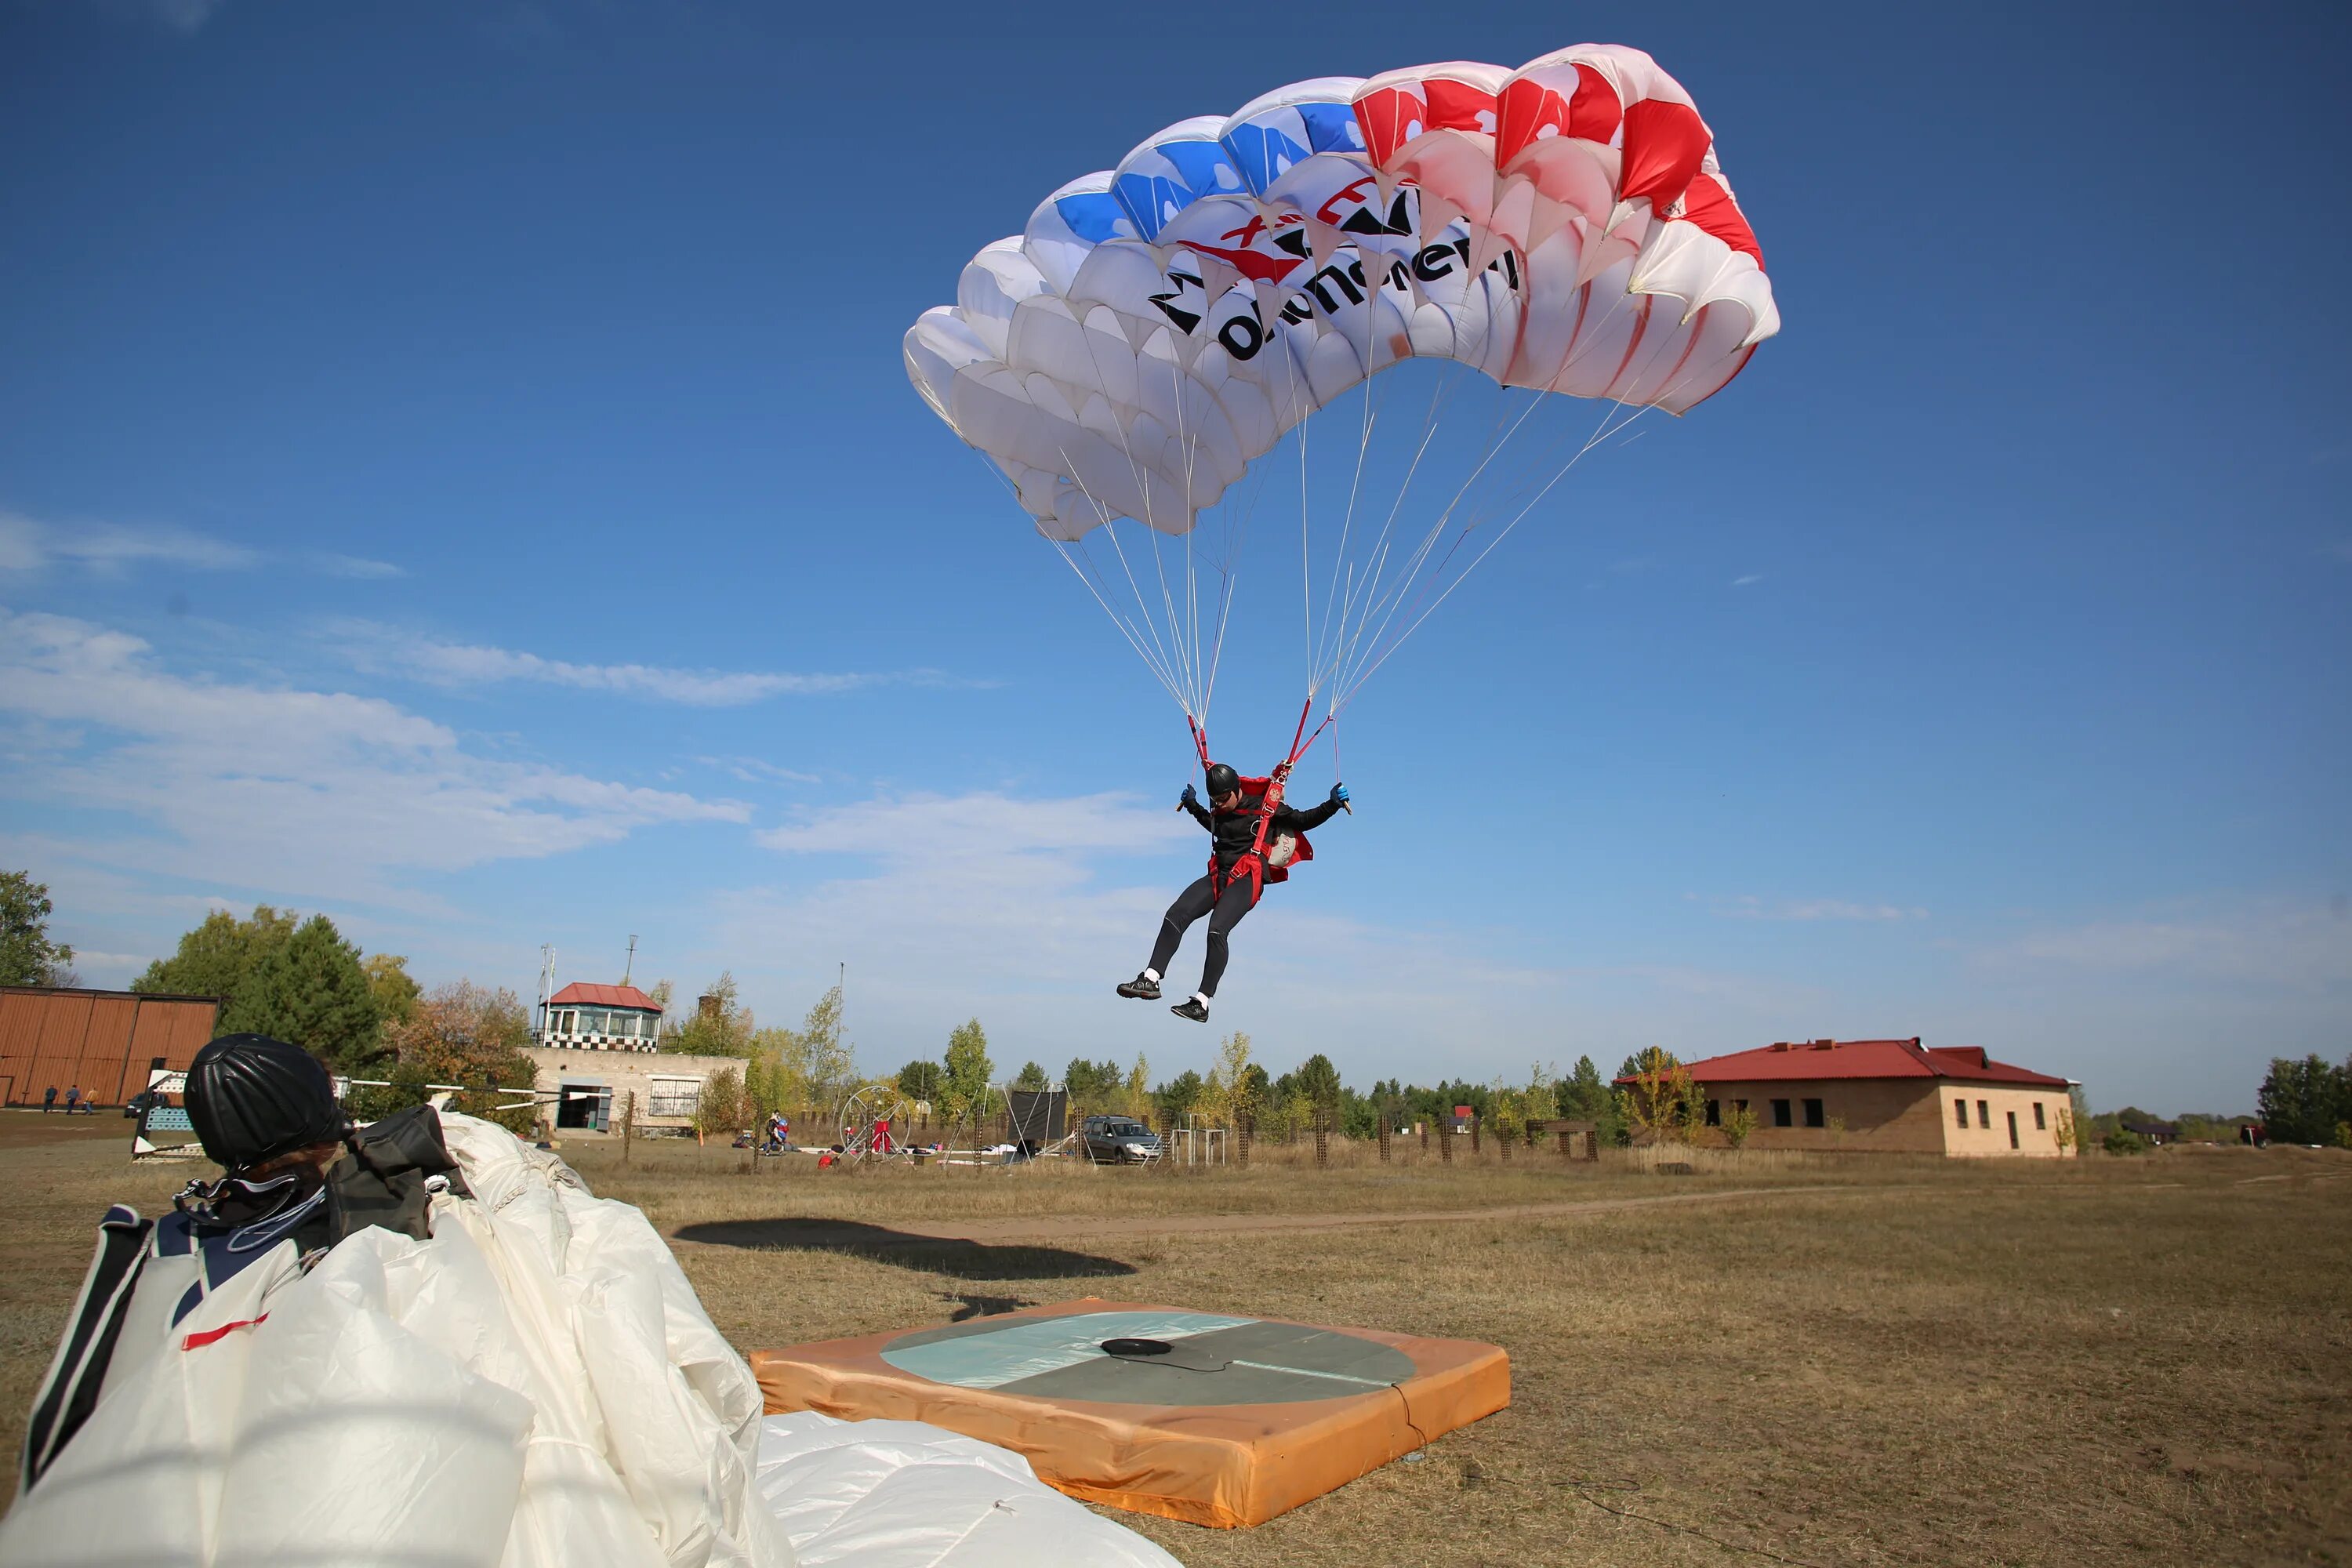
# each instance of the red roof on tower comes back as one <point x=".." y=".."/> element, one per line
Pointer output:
<point x="580" y="994"/>
<point x="1812" y="1060"/>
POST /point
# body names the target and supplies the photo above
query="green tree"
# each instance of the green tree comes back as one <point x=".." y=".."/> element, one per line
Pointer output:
<point x="720" y="1025"/>
<point x="921" y="1080"/>
<point x="1738" y="1122"/>
<point x="1030" y="1077"/>
<point x="720" y="1112"/>
<point x="831" y="1061"/>
<point x="1318" y="1081"/>
<point x="2301" y="1103"/>
<point x="1226" y="1093"/>
<point x="1093" y="1086"/>
<point x="1656" y="1102"/>
<point x="969" y="1071"/>
<point x="219" y="955"/>
<point x="27" y="956"/>
<point x="310" y="991"/>
<point x="395" y="991"/>
<point x="1178" y="1095"/>
<point x="1139" y="1093"/>
<point x="1582" y="1095"/>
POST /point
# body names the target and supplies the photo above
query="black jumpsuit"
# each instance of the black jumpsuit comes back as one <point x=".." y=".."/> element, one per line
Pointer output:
<point x="1222" y="896"/>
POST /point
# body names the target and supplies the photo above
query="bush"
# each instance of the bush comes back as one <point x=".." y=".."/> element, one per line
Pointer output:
<point x="2121" y="1142"/>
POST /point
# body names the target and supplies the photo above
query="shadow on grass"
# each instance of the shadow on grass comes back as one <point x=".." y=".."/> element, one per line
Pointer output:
<point x="928" y="1254"/>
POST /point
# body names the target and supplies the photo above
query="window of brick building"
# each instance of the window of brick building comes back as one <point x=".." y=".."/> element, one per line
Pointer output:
<point x="1960" y="1109"/>
<point x="1780" y="1117"/>
<point x="2012" y="1129"/>
<point x="1715" y="1113"/>
<point x="1813" y="1117"/>
<point x="2039" y="1125"/>
<point x="1984" y="1114"/>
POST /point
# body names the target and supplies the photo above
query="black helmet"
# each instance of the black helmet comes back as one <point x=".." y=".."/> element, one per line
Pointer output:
<point x="1223" y="779"/>
<point x="252" y="1099"/>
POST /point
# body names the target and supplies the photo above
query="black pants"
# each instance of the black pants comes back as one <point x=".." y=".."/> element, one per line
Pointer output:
<point x="1224" y="912"/>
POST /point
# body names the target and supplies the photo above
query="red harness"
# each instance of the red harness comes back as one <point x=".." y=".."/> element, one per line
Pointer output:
<point x="1263" y="798"/>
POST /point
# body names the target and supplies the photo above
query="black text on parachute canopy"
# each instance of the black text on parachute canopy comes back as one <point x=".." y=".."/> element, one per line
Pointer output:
<point x="1329" y="290"/>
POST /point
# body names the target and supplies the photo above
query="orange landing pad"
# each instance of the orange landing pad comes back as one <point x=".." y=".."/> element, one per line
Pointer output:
<point x="1209" y="1418"/>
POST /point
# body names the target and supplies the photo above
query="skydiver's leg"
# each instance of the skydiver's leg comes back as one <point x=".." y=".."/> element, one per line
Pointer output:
<point x="1230" y="909"/>
<point x="1191" y="904"/>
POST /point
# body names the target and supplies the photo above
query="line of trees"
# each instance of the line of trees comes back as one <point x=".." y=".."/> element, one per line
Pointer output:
<point x="2308" y="1102"/>
<point x="364" y="1016"/>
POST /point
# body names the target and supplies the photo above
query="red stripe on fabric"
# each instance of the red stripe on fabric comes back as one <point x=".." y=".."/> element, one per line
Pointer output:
<point x="1710" y="206"/>
<point x="197" y="1341"/>
<point x="1387" y="119"/>
<point x="1458" y="106"/>
<point x="1664" y="146"/>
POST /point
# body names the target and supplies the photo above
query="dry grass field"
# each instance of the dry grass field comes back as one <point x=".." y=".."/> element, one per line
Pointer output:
<point x="1819" y="1360"/>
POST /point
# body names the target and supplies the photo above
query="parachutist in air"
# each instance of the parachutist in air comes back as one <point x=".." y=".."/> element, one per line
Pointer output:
<point x="1258" y="838"/>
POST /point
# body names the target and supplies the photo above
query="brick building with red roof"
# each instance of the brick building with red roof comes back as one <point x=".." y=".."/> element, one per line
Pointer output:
<point x="1888" y="1095"/>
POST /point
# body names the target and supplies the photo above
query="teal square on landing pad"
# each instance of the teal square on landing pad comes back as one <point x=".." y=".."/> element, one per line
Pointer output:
<point x="1221" y="1360"/>
<point x="986" y="1357"/>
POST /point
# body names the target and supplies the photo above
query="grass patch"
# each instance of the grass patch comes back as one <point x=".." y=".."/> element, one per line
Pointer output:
<point x="1832" y="1359"/>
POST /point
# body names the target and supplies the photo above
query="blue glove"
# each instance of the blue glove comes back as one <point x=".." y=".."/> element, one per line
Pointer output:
<point x="1338" y="794"/>
<point x="1190" y="801"/>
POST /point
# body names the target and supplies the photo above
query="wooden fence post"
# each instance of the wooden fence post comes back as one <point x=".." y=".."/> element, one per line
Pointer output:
<point x="1322" y="1138"/>
<point x="1423" y="1128"/>
<point x="1475" y="1119"/>
<point x="1445" y="1145"/>
<point x="1503" y="1146"/>
<point x="1244" y="1123"/>
<point x="1384" y="1140"/>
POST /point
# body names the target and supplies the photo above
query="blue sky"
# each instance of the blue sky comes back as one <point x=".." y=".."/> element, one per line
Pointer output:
<point x="456" y="473"/>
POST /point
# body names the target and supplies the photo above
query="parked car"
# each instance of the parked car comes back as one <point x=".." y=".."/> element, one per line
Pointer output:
<point x="1118" y="1141"/>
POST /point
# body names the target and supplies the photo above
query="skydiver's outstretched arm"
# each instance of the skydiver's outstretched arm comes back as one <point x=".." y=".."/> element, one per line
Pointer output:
<point x="1315" y="816"/>
<point x="1190" y="801"/>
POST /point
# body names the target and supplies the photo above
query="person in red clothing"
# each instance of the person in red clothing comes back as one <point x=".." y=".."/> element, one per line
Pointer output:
<point x="1240" y="866"/>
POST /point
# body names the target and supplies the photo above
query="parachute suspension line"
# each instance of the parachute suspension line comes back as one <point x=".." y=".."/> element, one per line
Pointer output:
<point x="1448" y="387"/>
<point x="1599" y="437"/>
<point x="1387" y="606"/>
<point x="1373" y="393"/>
<point x="1142" y="478"/>
<point x="1328" y="667"/>
<point x="1164" y="669"/>
<point x="1062" y="548"/>
<point x="1235" y="532"/>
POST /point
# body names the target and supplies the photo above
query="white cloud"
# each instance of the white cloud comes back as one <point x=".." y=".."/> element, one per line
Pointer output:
<point x="755" y="770"/>
<point x="2265" y="943"/>
<point x="26" y="545"/>
<point x="387" y="649"/>
<point x="296" y="792"/>
<point x="357" y="567"/>
<point x="1750" y="578"/>
<point x="1748" y="906"/>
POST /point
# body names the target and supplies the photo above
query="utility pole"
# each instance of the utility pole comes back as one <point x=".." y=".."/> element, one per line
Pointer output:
<point x="631" y="967"/>
<point x="546" y="982"/>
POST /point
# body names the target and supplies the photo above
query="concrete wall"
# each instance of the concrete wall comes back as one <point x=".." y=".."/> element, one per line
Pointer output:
<point x="625" y="1073"/>
<point x="1897" y="1115"/>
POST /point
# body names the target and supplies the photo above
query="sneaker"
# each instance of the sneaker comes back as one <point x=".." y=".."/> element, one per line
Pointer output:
<point x="1194" y="1009"/>
<point x="1143" y="988"/>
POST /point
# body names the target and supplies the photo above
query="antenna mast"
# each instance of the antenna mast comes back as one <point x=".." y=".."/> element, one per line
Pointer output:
<point x="546" y="981"/>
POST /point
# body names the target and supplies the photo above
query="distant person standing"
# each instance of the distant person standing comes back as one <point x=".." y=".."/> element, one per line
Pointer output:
<point x="48" y="1099"/>
<point x="73" y="1097"/>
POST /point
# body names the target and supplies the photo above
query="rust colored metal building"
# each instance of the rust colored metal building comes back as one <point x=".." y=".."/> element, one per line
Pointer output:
<point x="100" y="1042"/>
